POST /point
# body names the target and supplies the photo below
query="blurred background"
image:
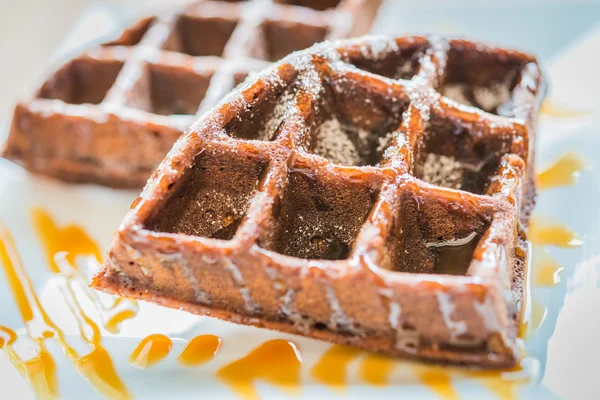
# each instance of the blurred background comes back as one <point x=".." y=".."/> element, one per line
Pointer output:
<point x="32" y="30"/>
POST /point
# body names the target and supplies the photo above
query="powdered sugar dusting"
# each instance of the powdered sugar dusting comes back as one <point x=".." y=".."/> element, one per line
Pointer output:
<point x="442" y="171"/>
<point x="310" y="80"/>
<point x="406" y="70"/>
<point x="457" y="92"/>
<point x="384" y="141"/>
<point x="235" y="208"/>
<point x="319" y="238"/>
<point x="378" y="49"/>
<point x="275" y="119"/>
<point x="332" y="143"/>
<point x="488" y="98"/>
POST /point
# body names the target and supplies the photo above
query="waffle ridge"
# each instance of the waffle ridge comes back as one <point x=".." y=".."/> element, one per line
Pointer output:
<point x="268" y="227"/>
<point x="146" y="87"/>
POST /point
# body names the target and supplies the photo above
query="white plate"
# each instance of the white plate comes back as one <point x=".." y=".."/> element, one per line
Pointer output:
<point x="562" y="350"/>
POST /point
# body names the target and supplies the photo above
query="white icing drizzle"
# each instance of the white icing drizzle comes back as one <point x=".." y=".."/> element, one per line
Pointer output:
<point x="287" y="308"/>
<point x="238" y="279"/>
<point x="394" y="315"/>
<point x="407" y="341"/>
<point x="200" y="295"/>
<point x="338" y="318"/>
<point x="404" y="340"/>
<point x="286" y="302"/>
<point x="489" y="317"/>
<point x="132" y="252"/>
<point x="456" y="328"/>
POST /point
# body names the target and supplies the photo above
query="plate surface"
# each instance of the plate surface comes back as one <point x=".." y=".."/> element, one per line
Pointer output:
<point x="564" y="306"/>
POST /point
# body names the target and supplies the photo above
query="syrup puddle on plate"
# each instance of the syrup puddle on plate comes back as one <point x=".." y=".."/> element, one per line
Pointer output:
<point x="39" y="370"/>
<point x="331" y="369"/>
<point x="437" y="380"/>
<point x="501" y="383"/>
<point x="543" y="233"/>
<point x="150" y="351"/>
<point x="376" y="369"/>
<point x="199" y="350"/>
<point x="546" y="270"/>
<point x="277" y="362"/>
<point x="564" y="171"/>
<point x="71" y="239"/>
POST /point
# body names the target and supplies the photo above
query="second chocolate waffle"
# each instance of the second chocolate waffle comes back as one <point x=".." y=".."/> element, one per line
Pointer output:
<point x="110" y="115"/>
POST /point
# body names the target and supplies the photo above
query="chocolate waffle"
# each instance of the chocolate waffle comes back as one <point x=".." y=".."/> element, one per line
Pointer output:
<point x="342" y="196"/>
<point x="110" y="115"/>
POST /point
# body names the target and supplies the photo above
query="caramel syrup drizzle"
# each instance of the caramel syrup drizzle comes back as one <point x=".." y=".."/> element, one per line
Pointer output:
<point x="552" y="109"/>
<point x="150" y="351"/>
<point x="546" y="270"/>
<point x="562" y="172"/>
<point x="277" y="362"/>
<point x="7" y="336"/>
<point x="97" y="365"/>
<point x="73" y="241"/>
<point x="552" y="234"/>
<point x="199" y="350"/>
<point x="542" y="235"/>
<point x="531" y="323"/>
<point x="375" y="370"/>
<point x="331" y="369"/>
<point x="40" y="370"/>
<point x="438" y="380"/>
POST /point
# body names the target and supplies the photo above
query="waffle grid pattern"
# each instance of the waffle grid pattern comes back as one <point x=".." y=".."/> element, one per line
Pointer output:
<point x="380" y="289"/>
<point x="145" y="88"/>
